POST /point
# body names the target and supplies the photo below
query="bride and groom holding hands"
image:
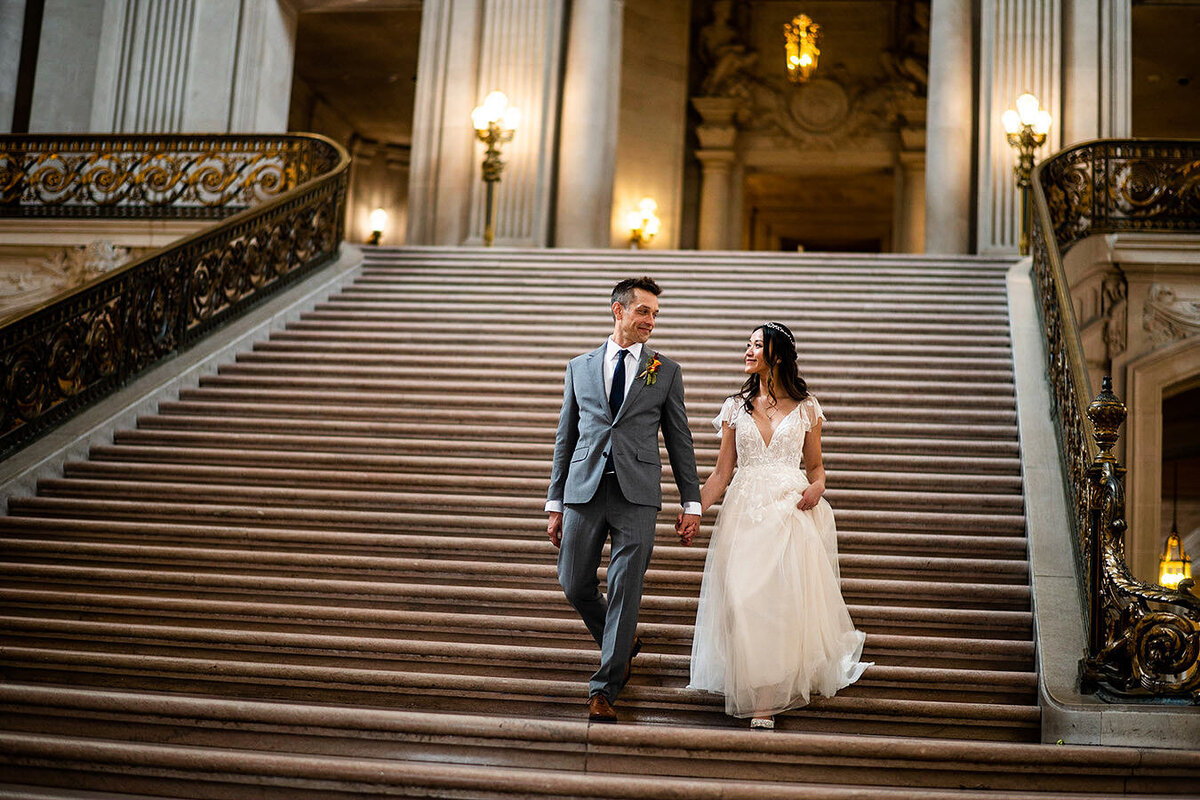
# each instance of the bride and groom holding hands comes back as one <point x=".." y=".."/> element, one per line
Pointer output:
<point x="771" y="625"/>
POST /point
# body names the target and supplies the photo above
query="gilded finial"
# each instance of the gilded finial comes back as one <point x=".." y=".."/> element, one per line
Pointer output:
<point x="1107" y="414"/>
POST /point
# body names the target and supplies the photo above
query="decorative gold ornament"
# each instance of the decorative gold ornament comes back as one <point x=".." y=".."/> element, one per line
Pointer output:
<point x="801" y="37"/>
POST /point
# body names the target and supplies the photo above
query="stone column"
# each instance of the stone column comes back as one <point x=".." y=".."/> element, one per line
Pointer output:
<point x="587" y="143"/>
<point x="443" y="151"/>
<point x="163" y="66"/>
<point x="12" y="24"/>
<point x="1020" y="51"/>
<point x="468" y="49"/>
<point x="948" y="128"/>
<point x="717" y="134"/>
<point x="64" y="86"/>
<point x="1096" y="70"/>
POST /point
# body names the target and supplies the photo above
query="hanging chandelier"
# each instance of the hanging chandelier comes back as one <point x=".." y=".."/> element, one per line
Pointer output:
<point x="800" y="37"/>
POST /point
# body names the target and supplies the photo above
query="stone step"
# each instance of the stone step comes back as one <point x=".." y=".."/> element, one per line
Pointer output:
<point x="323" y="643"/>
<point x="454" y="520"/>
<point x="507" y="464"/>
<point x="300" y="472"/>
<point x="411" y="604"/>
<point x="895" y="445"/>
<point x="376" y="685"/>
<point x="916" y="435"/>
<point x="981" y="504"/>
<point x="874" y="764"/>
<point x="410" y="555"/>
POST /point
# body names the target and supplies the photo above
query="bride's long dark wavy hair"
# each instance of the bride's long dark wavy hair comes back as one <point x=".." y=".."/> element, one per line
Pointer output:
<point x="779" y="351"/>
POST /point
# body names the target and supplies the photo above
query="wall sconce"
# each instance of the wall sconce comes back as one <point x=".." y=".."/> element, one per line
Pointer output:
<point x="495" y="123"/>
<point x="643" y="224"/>
<point x="800" y="37"/>
<point x="1026" y="130"/>
<point x="378" y="222"/>
<point x="1175" y="566"/>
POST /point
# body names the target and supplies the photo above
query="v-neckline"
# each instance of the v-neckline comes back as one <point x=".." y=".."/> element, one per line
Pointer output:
<point x="763" y="439"/>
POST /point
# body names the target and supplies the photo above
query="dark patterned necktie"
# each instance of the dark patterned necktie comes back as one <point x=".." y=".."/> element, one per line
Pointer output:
<point x="617" y="395"/>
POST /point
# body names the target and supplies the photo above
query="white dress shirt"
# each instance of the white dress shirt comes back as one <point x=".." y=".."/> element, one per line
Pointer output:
<point x="632" y="359"/>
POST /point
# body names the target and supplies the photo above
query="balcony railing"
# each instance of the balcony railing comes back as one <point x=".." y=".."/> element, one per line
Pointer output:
<point x="277" y="203"/>
<point x="1143" y="640"/>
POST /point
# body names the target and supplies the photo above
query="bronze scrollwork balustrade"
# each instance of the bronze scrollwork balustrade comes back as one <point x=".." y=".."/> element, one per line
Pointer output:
<point x="279" y="202"/>
<point x="1143" y="640"/>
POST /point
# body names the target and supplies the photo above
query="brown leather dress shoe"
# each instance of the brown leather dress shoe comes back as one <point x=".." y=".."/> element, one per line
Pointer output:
<point x="600" y="710"/>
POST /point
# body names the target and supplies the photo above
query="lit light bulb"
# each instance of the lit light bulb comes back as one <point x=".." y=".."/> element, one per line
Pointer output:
<point x="511" y="118"/>
<point x="379" y="220"/>
<point x="1041" y="123"/>
<point x="1027" y="107"/>
<point x="495" y="103"/>
<point x="805" y="60"/>
<point x="1011" y="121"/>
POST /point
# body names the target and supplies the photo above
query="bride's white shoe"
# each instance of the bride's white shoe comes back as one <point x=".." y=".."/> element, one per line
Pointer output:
<point x="763" y="723"/>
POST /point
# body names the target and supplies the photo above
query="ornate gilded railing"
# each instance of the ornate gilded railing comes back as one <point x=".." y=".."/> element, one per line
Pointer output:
<point x="1143" y="641"/>
<point x="279" y="201"/>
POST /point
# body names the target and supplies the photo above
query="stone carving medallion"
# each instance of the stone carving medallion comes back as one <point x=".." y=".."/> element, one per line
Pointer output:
<point x="1169" y="317"/>
<point x="820" y="106"/>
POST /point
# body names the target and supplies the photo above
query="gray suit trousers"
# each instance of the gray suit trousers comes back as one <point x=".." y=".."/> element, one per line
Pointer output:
<point x="612" y="621"/>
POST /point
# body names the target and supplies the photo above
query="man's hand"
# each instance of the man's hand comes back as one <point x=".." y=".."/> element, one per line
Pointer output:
<point x="686" y="527"/>
<point x="554" y="527"/>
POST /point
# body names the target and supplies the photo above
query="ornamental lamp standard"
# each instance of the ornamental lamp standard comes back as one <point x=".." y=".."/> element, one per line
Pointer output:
<point x="378" y="222"/>
<point x="643" y="224"/>
<point x="1026" y="129"/>
<point x="495" y="123"/>
<point x="800" y="39"/>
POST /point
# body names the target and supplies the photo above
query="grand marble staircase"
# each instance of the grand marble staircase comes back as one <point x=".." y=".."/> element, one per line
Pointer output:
<point x="323" y="573"/>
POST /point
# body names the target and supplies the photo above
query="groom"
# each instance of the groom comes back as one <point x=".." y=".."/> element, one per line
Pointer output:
<point x="606" y="480"/>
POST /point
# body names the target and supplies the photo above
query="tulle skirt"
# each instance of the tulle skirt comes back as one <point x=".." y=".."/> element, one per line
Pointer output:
<point x="772" y="628"/>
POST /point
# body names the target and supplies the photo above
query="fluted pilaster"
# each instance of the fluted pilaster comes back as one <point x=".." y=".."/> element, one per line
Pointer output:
<point x="1020" y="51"/>
<point x="521" y="42"/>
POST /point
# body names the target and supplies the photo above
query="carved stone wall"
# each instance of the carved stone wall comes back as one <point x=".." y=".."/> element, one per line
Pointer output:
<point x="847" y="130"/>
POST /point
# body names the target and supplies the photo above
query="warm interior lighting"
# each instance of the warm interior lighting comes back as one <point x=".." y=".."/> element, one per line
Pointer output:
<point x="800" y="37"/>
<point x="1026" y="129"/>
<point x="378" y="222"/>
<point x="495" y="110"/>
<point x="495" y="123"/>
<point x="643" y="223"/>
<point x="1175" y="566"/>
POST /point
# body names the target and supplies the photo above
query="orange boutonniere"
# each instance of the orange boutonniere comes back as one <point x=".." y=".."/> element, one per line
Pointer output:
<point x="650" y="373"/>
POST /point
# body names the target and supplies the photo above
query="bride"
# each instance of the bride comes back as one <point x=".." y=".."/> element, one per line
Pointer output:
<point x="772" y="627"/>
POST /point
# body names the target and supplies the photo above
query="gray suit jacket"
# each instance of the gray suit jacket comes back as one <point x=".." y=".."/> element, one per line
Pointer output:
<point x="587" y="431"/>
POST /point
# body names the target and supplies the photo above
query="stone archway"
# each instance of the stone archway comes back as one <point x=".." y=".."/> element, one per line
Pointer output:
<point x="1159" y="374"/>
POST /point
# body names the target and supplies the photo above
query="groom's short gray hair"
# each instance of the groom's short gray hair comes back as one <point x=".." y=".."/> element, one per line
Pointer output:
<point x="623" y="292"/>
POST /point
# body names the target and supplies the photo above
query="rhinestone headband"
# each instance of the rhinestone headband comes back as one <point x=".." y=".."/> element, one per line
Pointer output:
<point x="775" y="326"/>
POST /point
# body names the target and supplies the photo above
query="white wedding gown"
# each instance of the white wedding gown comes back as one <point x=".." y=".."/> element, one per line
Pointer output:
<point x="772" y="627"/>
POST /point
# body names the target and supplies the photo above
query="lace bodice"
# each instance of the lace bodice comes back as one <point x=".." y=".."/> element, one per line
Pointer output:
<point x="786" y="447"/>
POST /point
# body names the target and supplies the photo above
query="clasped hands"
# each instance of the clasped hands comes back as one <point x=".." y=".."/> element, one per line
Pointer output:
<point x="686" y="527"/>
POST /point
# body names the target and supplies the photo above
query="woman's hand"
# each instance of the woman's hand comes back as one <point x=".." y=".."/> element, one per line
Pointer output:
<point x="810" y="496"/>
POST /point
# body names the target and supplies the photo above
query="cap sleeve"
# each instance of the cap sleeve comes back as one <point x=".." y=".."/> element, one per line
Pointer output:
<point x="812" y="412"/>
<point x="728" y="415"/>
